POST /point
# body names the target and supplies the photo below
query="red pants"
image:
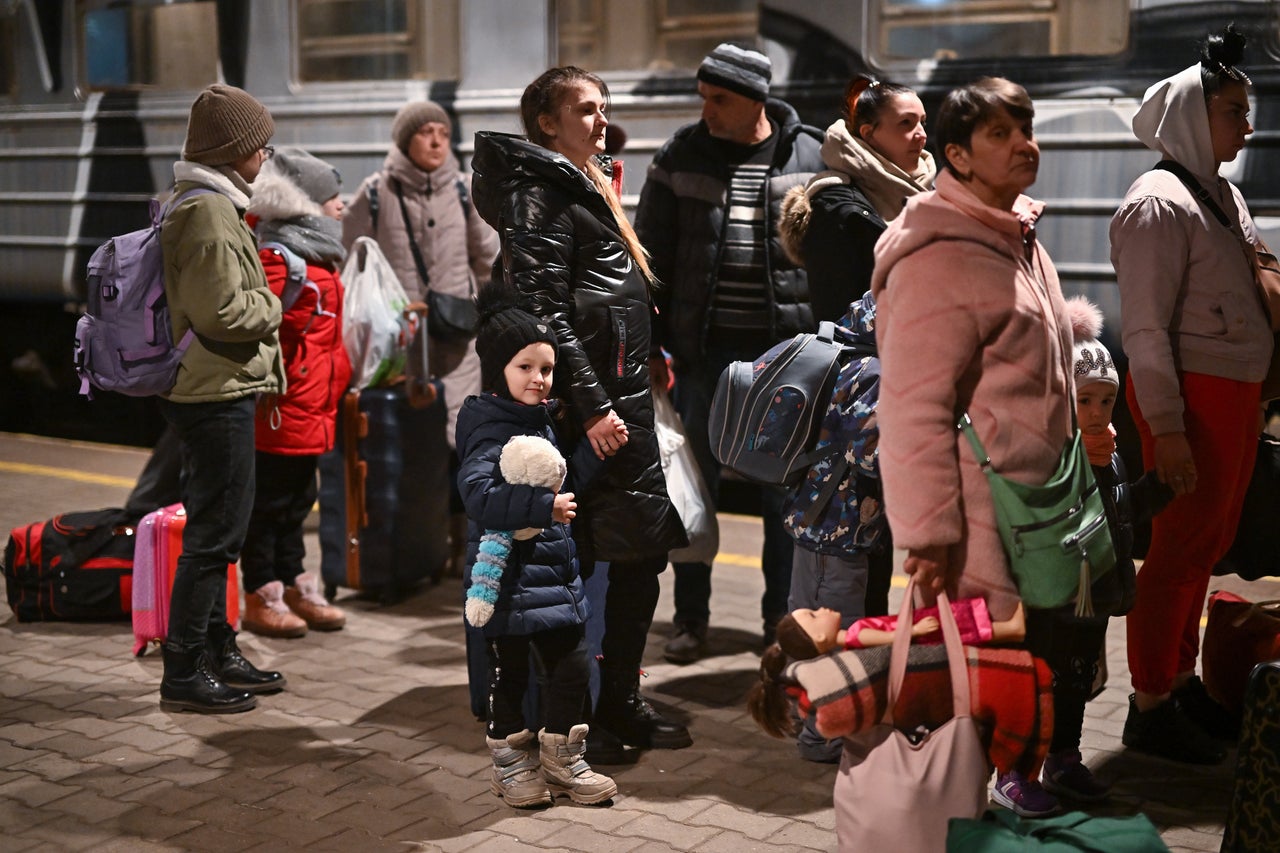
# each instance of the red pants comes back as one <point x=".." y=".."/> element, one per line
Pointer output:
<point x="1195" y="531"/>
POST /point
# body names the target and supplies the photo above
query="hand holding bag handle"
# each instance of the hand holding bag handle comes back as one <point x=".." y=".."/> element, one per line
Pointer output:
<point x="901" y="793"/>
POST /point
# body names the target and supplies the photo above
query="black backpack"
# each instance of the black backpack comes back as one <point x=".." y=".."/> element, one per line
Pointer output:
<point x="766" y="413"/>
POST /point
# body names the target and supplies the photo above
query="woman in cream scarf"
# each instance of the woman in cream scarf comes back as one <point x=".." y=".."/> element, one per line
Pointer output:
<point x="876" y="160"/>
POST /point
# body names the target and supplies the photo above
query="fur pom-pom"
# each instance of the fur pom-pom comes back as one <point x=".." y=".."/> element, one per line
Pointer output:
<point x="1086" y="319"/>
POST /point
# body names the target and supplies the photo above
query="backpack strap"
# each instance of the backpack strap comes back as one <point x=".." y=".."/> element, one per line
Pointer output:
<point x="464" y="197"/>
<point x="296" y="281"/>
<point x="1202" y="195"/>
<point x="371" y="193"/>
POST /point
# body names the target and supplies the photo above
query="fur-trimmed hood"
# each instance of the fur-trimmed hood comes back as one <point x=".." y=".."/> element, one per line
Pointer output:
<point x="277" y="197"/>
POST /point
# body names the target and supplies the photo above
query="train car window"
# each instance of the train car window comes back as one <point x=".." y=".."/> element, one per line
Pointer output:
<point x="377" y="39"/>
<point x="631" y="35"/>
<point x="973" y="29"/>
<point x="141" y="44"/>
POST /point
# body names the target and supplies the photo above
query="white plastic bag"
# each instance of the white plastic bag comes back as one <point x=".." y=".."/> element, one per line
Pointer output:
<point x="685" y="485"/>
<point x="374" y="329"/>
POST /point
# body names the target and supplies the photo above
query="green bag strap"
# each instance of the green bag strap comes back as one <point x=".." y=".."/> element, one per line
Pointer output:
<point x="966" y="426"/>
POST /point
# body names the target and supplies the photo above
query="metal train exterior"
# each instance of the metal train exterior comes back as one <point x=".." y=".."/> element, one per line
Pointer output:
<point x="94" y="95"/>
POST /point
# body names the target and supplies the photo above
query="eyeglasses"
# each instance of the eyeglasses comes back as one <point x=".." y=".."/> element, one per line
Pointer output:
<point x="268" y="151"/>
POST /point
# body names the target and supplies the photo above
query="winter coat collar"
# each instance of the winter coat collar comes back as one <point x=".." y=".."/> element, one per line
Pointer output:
<point x="1173" y="121"/>
<point x="886" y="185"/>
<point x="501" y="157"/>
<point x="398" y="165"/>
<point x="224" y="179"/>
<point x="953" y="212"/>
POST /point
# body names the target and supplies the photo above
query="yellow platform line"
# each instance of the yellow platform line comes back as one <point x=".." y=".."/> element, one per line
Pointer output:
<point x="66" y="474"/>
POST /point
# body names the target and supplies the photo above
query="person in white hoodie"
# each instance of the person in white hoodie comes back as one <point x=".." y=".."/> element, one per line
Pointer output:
<point x="1199" y="344"/>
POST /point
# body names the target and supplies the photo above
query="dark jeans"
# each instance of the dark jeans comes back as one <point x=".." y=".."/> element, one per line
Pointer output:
<point x="273" y="547"/>
<point x="695" y="386"/>
<point x="560" y="655"/>
<point x="1070" y="646"/>
<point x="217" y="492"/>
<point x="631" y="597"/>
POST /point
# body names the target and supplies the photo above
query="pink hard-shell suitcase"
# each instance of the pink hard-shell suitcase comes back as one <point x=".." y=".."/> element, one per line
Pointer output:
<point x="158" y="543"/>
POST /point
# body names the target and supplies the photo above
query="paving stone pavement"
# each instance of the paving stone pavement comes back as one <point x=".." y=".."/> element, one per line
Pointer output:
<point x="372" y="746"/>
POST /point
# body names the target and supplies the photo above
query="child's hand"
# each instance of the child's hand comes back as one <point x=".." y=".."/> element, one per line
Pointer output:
<point x="927" y="625"/>
<point x="565" y="508"/>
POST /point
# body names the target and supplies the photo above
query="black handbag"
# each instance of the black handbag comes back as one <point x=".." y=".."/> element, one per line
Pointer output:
<point x="449" y="318"/>
<point x="1255" y="553"/>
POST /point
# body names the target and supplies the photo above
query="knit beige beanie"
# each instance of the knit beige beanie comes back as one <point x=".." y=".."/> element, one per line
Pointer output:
<point x="225" y="126"/>
<point x="413" y="116"/>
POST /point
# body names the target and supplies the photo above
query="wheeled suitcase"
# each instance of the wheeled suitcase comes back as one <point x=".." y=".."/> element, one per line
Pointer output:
<point x="384" y="495"/>
<point x="1253" y="817"/>
<point x="75" y="567"/>
<point x="155" y="561"/>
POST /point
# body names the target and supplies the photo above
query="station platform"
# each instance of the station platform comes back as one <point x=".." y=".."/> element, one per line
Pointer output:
<point x="372" y="747"/>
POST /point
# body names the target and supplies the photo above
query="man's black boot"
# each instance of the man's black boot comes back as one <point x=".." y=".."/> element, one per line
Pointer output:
<point x="625" y="714"/>
<point x="189" y="684"/>
<point x="230" y="665"/>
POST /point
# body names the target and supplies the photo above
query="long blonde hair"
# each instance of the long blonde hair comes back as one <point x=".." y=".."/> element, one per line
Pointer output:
<point x="544" y="96"/>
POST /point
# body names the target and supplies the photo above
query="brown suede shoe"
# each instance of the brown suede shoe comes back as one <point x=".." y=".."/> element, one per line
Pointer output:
<point x="304" y="599"/>
<point x="266" y="614"/>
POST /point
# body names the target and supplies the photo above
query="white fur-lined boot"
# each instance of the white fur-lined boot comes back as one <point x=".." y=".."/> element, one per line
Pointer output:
<point x="566" y="770"/>
<point x="517" y="777"/>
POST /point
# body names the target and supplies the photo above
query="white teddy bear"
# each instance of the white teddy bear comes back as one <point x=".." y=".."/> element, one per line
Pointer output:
<point x="526" y="460"/>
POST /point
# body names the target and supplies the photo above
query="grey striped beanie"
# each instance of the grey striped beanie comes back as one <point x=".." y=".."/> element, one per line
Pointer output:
<point x="739" y="70"/>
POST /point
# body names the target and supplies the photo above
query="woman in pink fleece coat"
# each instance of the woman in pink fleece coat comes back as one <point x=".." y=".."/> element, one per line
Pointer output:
<point x="971" y="318"/>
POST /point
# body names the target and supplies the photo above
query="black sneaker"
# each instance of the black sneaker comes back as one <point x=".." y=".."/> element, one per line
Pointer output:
<point x="1205" y="712"/>
<point x="1167" y="732"/>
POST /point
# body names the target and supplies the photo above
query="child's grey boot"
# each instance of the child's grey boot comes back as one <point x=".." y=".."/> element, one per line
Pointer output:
<point x="567" y="771"/>
<point x="517" y="778"/>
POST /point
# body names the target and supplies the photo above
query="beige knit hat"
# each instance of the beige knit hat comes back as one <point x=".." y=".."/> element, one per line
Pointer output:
<point x="225" y="126"/>
<point x="413" y="116"/>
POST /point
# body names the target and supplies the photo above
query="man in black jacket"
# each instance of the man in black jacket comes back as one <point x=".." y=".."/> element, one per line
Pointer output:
<point x="709" y="215"/>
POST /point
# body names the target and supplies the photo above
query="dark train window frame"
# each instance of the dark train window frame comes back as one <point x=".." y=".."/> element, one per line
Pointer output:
<point x="430" y="43"/>
<point x="891" y="17"/>
<point x="8" y="50"/>
<point x="610" y="33"/>
<point x="156" y="81"/>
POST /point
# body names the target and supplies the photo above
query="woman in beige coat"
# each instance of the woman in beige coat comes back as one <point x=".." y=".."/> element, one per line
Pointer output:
<point x="421" y="199"/>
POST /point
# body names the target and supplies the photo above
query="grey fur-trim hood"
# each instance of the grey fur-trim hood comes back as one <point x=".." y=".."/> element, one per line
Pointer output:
<point x="277" y="197"/>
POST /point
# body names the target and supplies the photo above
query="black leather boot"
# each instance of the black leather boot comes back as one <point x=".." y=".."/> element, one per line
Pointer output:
<point x="625" y="714"/>
<point x="230" y="665"/>
<point x="189" y="684"/>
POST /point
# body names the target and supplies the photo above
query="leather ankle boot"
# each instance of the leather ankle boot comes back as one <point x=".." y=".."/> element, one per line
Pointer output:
<point x="189" y="684"/>
<point x="623" y="712"/>
<point x="227" y="662"/>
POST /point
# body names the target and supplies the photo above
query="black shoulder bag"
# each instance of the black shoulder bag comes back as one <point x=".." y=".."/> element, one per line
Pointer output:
<point x="449" y="318"/>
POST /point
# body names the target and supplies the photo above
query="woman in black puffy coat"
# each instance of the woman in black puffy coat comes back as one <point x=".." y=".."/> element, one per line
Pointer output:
<point x="568" y="248"/>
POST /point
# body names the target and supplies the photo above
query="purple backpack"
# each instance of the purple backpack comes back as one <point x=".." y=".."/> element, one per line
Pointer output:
<point x="124" y="341"/>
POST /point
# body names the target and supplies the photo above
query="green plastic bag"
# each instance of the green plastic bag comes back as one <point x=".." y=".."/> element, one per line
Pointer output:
<point x="1004" y="832"/>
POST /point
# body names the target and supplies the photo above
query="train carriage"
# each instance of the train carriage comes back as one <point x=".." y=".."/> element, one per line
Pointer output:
<point x="94" y="96"/>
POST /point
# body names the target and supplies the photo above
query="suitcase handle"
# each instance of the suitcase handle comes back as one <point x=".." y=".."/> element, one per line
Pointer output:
<point x="355" y="427"/>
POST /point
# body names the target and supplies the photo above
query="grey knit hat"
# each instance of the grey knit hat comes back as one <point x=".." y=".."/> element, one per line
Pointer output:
<point x="318" y="179"/>
<point x="413" y="116"/>
<point x="225" y="126"/>
<point x="739" y="70"/>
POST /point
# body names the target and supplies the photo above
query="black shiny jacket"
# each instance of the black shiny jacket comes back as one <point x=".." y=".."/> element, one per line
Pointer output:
<point x="1127" y="504"/>
<point x="562" y="249"/>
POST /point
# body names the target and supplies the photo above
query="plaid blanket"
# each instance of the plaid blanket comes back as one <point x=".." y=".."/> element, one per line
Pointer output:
<point x="1010" y="691"/>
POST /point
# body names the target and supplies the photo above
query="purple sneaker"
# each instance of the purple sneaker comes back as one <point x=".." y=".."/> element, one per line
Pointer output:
<point x="1065" y="775"/>
<point x="1022" y="796"/>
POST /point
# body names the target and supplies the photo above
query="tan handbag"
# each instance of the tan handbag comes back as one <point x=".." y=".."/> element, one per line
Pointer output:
<point x="895" y="790"/>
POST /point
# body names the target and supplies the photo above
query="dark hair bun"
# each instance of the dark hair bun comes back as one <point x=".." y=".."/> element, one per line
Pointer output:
<point x="1223" y="51"/>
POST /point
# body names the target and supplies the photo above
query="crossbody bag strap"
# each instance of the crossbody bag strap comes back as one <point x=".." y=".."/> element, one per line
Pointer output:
<point x="413" y="244"/>
<point x="1202" y="195"/>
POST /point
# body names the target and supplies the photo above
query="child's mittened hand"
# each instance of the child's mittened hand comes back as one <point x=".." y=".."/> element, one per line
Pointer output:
<point x="565" y="508"/>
